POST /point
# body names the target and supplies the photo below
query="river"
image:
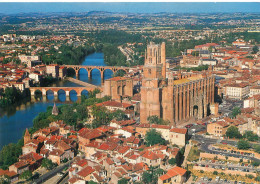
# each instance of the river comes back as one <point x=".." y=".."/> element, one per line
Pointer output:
<point x="14" y="122"/>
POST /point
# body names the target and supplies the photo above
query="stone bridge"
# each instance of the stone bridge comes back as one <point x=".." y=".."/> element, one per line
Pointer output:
<point x="101" y="69"/>
<point x="67" y="90"/>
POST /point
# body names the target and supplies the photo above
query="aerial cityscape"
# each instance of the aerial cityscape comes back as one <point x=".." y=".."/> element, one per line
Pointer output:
<point x="139" y="93"/>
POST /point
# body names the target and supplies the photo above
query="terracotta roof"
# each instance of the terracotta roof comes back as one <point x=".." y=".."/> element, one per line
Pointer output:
<point x="109" y="161"/>
<point x="173" y="172"/>
<point x="118" y="78"/>
<point x="90" y="134"/>
<point x="114" y="104"/>
<point x="82" y="162"/>
<point x="31" y="157"/>
<point x="21" y="164"/>
<point x="179" y="130"/>
<point x="160" y="126"/>
<point x="7" y="173"/>
<point x="56" y="152"/>
<point x="150" y="155"/>
<point x="86" y="171"/>
<point x="73" y="180"/>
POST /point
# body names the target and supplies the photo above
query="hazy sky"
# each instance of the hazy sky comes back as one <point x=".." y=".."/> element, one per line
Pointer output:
<point x="134" y="7"/>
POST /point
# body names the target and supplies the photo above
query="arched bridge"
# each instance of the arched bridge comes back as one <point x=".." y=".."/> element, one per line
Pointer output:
<point x="101" y="69"/>
<point x="67" y="90"/>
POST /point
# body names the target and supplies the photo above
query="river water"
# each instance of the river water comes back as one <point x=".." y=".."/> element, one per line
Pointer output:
<point x="14" y="122"/>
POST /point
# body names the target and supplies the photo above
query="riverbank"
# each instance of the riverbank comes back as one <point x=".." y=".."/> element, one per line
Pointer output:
<point x="13" y="125"/>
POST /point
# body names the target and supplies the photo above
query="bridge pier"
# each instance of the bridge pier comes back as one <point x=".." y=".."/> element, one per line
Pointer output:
<point x="44" y="98"/>
<point x="56" y="98"/>
<point x="77" y="74"/>
<point x="32" y="92"/>
<point x="102" y="76"/>
<point x="89" y="75"/>
<point x="67" y="93"/>
<point x="44" y="92"/>
<point x="67" y="98"/>
<point x="55" y="93"/>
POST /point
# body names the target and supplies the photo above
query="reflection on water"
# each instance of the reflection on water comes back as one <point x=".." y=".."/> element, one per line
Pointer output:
<point x="15" y="119"/>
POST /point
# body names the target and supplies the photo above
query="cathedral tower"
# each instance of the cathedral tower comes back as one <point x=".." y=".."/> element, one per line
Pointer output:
<point x="153" y="76"/>
<point x="27" y="137"/>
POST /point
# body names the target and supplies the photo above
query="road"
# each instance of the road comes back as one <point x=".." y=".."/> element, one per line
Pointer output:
<point x="205" y="142"/>
<point x="228" y="166"/>
<point x="52" y="173"/>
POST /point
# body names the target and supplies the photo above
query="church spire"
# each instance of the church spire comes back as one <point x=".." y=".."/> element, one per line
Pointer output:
<point x="55" y="110"/>
<point x="27" y="136"/>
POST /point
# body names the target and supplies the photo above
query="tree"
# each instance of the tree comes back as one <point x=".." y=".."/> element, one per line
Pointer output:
<point x="257" y="178"/>
<point x="256" y="163"/>
<point x="153" y="137"/>
<point x="232" y="132"/>
<point x="255" y="49"/>
<point x="215" y="172"/>
<point x="152" y="175"/>
<point x="26" y="175"/>
<point x="123" y="181"/>
<point x="235" y="112"/>
<point x="172" y="161"/>
<point x="157" y="120"/>
<point x="82" y="112"/>
<point x="9" y="154"/>
<point x="46" y="163"/>
<point x="147" y="177"/>
<point x="250" y="176"/>
<point x="249" y="135"/>
<point x="257" y="148"/>
<point x="243" y="144"/>
<point x="119" y="115"/>
<point x="92" y="182"/>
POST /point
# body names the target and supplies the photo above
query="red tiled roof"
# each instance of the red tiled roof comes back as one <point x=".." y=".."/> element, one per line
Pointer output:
<point x="86" y="171"/>
<point x="109" y="161"/>
<point x="173" y="172"/>
<point x="179" y="130"/>
<point x="150" y="155"/>
<point x="8" y="173"/>
<point x="114" y="104"/>
<point x="160" y="126"/>
<point x="82" y="162"/>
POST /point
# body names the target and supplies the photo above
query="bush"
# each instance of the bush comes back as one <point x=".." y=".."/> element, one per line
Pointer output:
<point x="26" y="175"/>
<point x="201" y="171"/>
<point x="243" y="144"/>
<point x="232" y="132"/>
<point x="250" y="176"/>
<point x="153" y="137"/>
<point x="215" y="172"/>
<point x="172" y="161"/>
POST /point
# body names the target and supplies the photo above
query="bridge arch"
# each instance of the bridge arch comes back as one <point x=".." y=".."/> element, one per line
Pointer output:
<point x="71" y="71"/>
<point x="50" y="94"/>
<point x="37" y="93"/>
<point x="108" y="73"/>
<point x="84" y="92"/>
<point x="95" y="73"/>
<point x="73" y="95"/>
<point x="61" y="95"/>
<point x="83" y="73"/>
<point x="119" y="73"/>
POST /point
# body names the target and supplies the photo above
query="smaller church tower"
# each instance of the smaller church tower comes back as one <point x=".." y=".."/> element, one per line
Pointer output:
<point x="55" y="110"/>
<point x="27" y="136"/>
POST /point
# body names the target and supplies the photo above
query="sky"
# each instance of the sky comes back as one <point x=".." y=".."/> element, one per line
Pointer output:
<point x="133" y="7"/>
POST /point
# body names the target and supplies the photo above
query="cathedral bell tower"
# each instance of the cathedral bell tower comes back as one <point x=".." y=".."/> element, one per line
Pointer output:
<point x="154" y="72"/>
<point x="27" y="137"/>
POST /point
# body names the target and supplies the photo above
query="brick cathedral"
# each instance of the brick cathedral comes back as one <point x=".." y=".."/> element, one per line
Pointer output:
<point x="174" y="97"/>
